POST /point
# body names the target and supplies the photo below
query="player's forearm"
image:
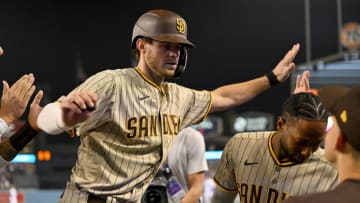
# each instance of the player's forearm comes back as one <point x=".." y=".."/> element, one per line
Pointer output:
<point x="232" y="95"/>
<point x="9" y="148"/>
<point x="193" y="195"/>
<point x="50" y="119"/>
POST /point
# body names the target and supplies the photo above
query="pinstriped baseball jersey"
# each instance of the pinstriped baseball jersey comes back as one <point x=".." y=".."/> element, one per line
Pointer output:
<point x="128" y="136"/>
<point x="249" y="165"/>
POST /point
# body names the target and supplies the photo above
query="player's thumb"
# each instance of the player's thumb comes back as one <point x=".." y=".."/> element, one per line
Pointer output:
<point x="5" y="88"/>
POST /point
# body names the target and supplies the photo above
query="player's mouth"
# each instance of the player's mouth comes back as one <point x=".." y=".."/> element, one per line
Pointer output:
<point x="171" y="64"/>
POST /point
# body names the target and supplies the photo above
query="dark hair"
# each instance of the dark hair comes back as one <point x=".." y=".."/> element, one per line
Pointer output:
<point x="135" y="54"/>
<point x="306" y="106"/>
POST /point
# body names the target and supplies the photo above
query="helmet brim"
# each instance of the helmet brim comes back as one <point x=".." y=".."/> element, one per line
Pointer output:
<point x="173" y="39"/>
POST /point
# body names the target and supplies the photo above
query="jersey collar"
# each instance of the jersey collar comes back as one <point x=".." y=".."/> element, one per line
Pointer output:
<point x="161" y="89"/>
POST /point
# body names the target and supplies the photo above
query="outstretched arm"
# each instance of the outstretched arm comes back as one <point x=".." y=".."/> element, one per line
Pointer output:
<point x="228" y="96"/>
<point x="69" y="111"/>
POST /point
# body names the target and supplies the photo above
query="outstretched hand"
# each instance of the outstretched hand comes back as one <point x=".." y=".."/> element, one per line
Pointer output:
<point x="77" y="107"/>
<point x="15" y="99"/>
<point x="302" y="83"/>
<point x="286" y="65"/>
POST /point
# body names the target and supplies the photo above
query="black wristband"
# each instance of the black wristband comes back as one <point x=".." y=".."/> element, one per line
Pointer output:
<point x="272" y="78"/>
<point x="23" y="136"/>
<point x="7" y="150"/>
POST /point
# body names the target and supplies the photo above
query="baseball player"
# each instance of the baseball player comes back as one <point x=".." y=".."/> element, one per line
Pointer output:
<point x="138" y="113"/>
<point x="271" y="166"/>
<point x="342" y="143"/>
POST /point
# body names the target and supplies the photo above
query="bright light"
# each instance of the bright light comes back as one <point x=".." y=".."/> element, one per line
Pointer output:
<point x="213" y="155"/>
<point x="24" y="158"/>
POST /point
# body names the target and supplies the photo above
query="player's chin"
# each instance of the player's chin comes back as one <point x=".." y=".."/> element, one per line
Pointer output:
<point x="169" y="72"/>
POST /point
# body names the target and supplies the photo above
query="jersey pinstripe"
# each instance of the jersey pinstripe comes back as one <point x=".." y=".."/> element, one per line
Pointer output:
<point x="128" y="136"/>
<point x="248" y="165"/>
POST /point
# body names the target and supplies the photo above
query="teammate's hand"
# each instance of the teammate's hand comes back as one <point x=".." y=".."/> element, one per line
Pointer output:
<point x="286" y="65"/>
<point x="1" y="51"/>
<point x="15" y="99"/>
<point x="35" y="110"/>
<point x="77" y="107"/>
<point x="302" y="83"/>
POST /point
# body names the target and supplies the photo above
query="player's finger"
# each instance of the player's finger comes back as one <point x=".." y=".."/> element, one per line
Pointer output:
<point x="1" y="51"/>
<point x="90" y="100"/>
<point x="86" y="101"/>
<point x="79" y="101"/>
<point x="71" y="106"/>
<point x="291" y="54"/>
<point x="298" y="81"/>
<point x="5" y="89"/>
<point x="38" y="98"/>
<point x="23" y="85"/>
<point x="28" y="94"/>
<point x="306" y="79"/>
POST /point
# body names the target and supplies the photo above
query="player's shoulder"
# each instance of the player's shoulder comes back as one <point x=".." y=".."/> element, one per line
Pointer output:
<point x="253" y="135"/>
<point x="177" y="87"/>
<point x="249" y="137"/>
<point x="319" y="157"/>
<point x="120" y="72"/>
<point x="114" y="73"/>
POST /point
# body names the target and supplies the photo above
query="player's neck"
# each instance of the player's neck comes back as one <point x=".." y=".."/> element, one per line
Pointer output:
<point x="151" y="75"/>
<point x="348" y="168"/>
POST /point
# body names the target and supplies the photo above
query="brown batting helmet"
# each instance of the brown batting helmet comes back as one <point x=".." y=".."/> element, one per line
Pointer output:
<point x="161" y="25"/>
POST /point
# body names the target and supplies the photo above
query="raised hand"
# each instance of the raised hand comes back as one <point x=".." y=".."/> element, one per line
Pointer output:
<point x="77" y="107"/>
<point x="35" y="110"/>
<point x="302" y="83"/>
<point x="15" y="99"/>
<point x="283" y="69"/>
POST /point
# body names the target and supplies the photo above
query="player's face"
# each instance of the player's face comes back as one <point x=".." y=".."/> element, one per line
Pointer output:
<point x="301" y="138"/>
<point x="162" y="58"/>
<point x="330" y="140"/>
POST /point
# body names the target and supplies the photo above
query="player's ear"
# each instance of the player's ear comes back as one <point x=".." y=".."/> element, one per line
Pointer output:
<point x="280" y="123"/>
<point x="140" y="44"/>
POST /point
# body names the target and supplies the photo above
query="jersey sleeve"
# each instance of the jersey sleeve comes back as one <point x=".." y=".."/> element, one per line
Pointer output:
<point x="224" y="176"/>
<point x="196" y="156"/>
<point x="198" y="105"/>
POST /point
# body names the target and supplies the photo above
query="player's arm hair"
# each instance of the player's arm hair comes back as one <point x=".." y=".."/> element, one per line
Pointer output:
<point x="220" y="196"/>
<point x="9" y="148"/>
